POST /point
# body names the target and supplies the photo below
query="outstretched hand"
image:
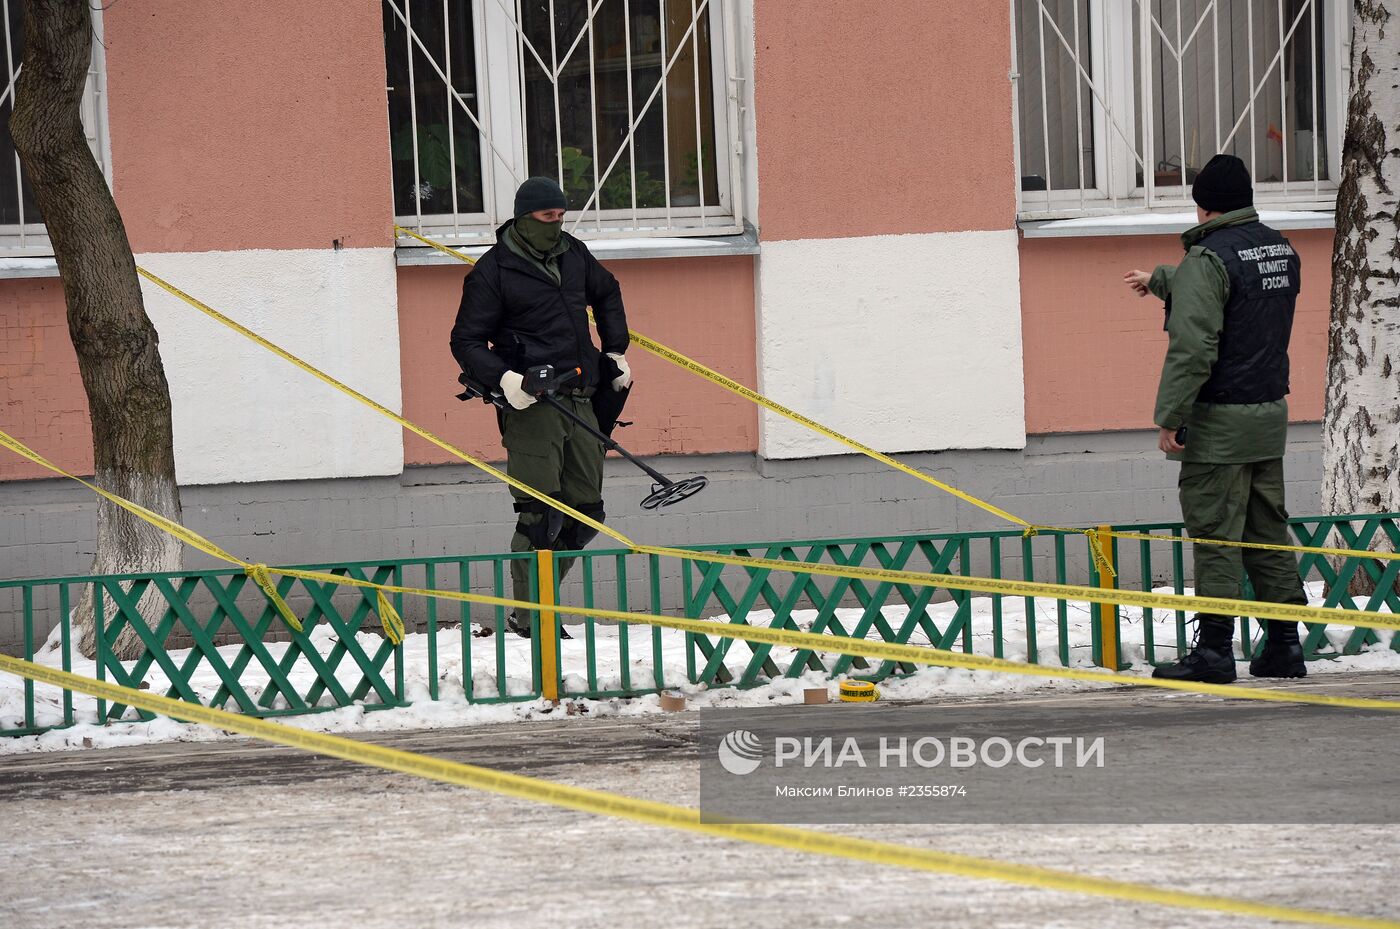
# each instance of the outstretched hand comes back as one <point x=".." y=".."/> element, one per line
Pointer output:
<point x="1137" y="280"/>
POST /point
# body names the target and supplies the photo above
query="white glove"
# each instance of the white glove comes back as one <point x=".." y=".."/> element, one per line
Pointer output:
<point x="515" y="394"/>
<point x="624" y="379"/>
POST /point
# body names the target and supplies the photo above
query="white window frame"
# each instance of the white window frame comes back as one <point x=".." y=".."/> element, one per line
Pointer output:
<point x="31" y="239"/>
<point x="1115" y="111"/>
<point x="500" y="48"/>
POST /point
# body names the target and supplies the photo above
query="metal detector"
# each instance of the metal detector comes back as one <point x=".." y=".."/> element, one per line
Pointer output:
<point x="543" y="382"/>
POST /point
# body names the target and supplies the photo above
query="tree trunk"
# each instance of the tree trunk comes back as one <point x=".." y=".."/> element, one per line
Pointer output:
<point x="1361" y="423"/>
<point x="118" y="356"/>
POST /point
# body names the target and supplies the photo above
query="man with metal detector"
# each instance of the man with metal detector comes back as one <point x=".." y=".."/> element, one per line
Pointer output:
<point x="1221" y="412"/>
<point x="524" y="306"/>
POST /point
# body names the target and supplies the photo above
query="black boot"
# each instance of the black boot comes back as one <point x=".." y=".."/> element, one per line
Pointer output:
<point x="521" y="627"/>
<point x="1211" y="660"/>
<point x="1282" y="654"/>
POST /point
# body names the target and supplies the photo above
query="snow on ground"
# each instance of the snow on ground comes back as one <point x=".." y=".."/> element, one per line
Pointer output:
<point x="452" y="709"/>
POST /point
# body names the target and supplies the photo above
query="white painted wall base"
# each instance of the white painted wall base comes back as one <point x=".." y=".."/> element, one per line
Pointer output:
<point x="241" y="413"/>
<point x="906" y="343"/>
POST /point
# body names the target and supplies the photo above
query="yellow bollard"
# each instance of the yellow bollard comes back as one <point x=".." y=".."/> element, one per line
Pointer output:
<point x="1107" y="613"/>
<point x="548" y="627"/>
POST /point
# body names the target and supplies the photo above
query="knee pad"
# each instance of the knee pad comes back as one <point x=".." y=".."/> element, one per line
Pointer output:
<point x="576" y="536"/>
<point x="543" y="532"/>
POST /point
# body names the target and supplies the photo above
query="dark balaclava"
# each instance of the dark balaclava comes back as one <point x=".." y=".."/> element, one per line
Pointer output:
<point x="1223" y="185"/>
<point x="539" y="235"/>
<point x="539" y="193"/>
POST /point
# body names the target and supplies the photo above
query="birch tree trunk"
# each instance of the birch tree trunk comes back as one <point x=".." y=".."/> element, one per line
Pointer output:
<point x="118" y="357"/>
<point x="1361" y="422"/>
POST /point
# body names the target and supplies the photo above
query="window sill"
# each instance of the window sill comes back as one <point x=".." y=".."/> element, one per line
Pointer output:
<point x="1160" y="223"/>
<point x="409" y="256"/>
<point x="27" y="266"/>
<point x="608" y="249"/>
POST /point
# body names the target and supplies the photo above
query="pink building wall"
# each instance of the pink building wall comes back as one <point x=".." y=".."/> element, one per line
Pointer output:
<point x="895" y="118"/>
<point x="249" y="125"/>
<point x="252" y="126"/>
<point x="263" y="126"/>
<point x="42" y="402"/>
<point x="886" y="208"/>
<point x="1094" y="351"/>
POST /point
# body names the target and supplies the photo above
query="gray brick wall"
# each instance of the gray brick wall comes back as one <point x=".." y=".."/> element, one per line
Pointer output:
<point x="47" y="528"/>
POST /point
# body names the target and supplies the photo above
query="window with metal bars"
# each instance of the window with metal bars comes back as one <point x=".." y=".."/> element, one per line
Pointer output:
<point x="1120" y="102"/>
<point x="21" y="226"/>
<point x="625" y="102"/>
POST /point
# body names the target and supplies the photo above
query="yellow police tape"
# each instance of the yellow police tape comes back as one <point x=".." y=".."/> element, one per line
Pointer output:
<point x="1266" y="546"/>
<point x="1101" y="560"/>
<point x="1094" y="535"/>
<point x="1144" y="599"/>
<point x="676" y="358"/>
<point x="258" y="573"/>
<point x="1110" y="596"/>
<point x="816" y="642"/>
<point x="873" y="648"/>
<point x="380" y="408"/>
<point x="670" y="816"/>
<point x="1223" y="606"/>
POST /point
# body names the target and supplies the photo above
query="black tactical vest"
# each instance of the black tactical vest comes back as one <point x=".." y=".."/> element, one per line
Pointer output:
<point x="1252" y="364"/>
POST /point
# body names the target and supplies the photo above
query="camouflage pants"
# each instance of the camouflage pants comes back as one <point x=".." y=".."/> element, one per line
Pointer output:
<point x="553" y="454"/>
<point x="1240" y="503"/>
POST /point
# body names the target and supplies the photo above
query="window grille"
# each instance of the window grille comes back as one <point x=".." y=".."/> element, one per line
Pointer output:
<point x="627" y="103"/>
<point x="1120" y="102"/>
<point x="21" y="226"/>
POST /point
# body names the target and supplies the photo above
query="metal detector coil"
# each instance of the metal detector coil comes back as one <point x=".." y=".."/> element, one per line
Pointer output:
<point x="674" y="491"/>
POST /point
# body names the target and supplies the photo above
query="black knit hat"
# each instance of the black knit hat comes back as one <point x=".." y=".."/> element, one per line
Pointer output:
<point x="1223" y="185"/>
<point x="539" y="193"/>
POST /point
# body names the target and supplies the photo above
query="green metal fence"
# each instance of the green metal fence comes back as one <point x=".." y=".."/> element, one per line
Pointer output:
<point x="212" y="636"/>
<point x="1352" y="532"/>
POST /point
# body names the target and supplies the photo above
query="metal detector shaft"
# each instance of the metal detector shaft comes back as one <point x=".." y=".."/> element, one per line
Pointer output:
<point x="608" y="443"/>
<point x="664" y="492"/>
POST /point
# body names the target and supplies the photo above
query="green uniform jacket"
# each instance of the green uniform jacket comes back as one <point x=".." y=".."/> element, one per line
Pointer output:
<point x="1216" y="433"/>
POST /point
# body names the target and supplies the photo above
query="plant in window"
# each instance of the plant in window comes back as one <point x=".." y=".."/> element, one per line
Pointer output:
<point x="578" y="175"/>
<point x="435" y="165"/>
<point x="617" y="190"/>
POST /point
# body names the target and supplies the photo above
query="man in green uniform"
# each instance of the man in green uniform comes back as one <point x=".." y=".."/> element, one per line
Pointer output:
<point x="1221" y="412"/>
<point x="525" y="304"/>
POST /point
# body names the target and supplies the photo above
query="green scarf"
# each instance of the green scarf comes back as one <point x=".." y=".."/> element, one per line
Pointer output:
<point x="539" y="235"/>
<point x="539" y="243"/>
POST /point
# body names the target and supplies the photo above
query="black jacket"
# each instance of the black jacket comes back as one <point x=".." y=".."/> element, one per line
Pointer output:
<point x="513" y="316"/>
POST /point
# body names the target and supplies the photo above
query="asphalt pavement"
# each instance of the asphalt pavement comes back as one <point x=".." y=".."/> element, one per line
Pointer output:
<point x="241" y="834"/>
